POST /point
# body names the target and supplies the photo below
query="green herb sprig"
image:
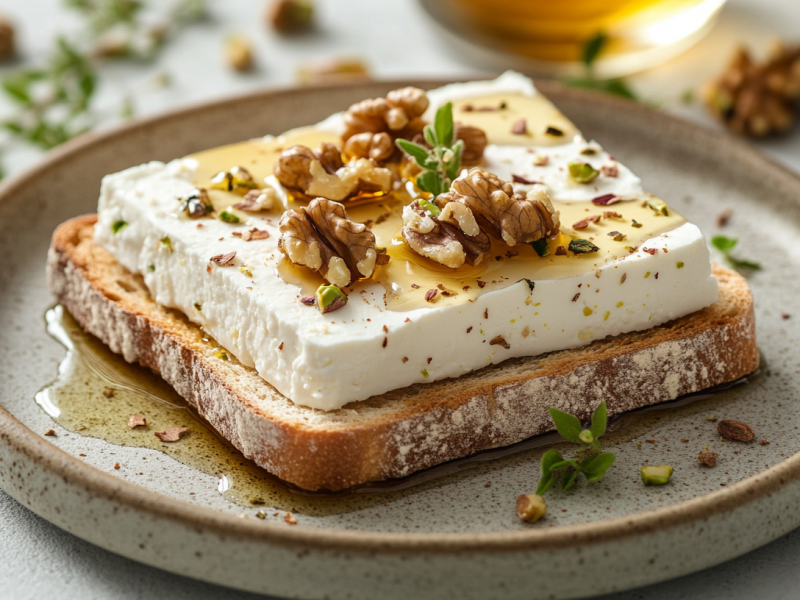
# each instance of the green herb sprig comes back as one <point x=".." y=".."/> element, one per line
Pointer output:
<point x="588" y="459"/>
<point x="591" y="51"/>
<point x="440" y="164"/>
<point x="725" y="244"/>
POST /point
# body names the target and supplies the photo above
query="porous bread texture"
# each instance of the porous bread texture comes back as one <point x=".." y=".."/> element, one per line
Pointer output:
<point x="398" y="433"/>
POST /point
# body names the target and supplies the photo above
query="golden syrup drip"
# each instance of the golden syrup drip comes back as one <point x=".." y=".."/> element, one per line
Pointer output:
<point x="75" y="400"/>
<point x="408" y="276"/>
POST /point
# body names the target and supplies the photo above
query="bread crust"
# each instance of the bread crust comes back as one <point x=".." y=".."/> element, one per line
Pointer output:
<point x="403" y="431"/>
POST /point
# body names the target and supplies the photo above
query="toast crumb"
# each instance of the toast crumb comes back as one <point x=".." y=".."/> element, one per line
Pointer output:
<point x="171" y="434"/>
<point x="50" y="432"/>
<point x="135" y="421"/>
<point x="708" y="459"/>
<point x="289" y="518"/>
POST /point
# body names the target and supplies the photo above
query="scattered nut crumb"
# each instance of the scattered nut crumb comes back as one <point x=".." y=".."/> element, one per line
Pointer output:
<point x="764" y="442"/>
<point x="785" y="316"/>
<point x="488" y="484"/>
<point x="108" y="392"/>
<point x="50" y="432"/>
<point x="724" y="217"/>
<point x="116" y="466"/>
<point x="290" y="519"/>
<point x="7" y="46"/>
<point x="405" y="359"/>
<point x="650" y="441"/>
<point x="499" y="340"/>
<point x="239" y="53"/>
<point x="708" y="459"/>
<point x="171" y="434"/>
<point x="520" y="127"/>
<point x="135" y="421"/>
<point x="685" y="440"/>
<point x="736" y="431"/>
<point x="531" y="507"/>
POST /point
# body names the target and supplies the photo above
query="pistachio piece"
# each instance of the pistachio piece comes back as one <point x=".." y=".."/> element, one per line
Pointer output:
<point x="227" y="216"/>
<point x="238" y="180"/>
<point x="658" y="206"/>
<point x="117" y="226"/>
<point x="656" y="475"/>
<point x="582" y="172"/>
<point x="531" y="507"/>
<point x="579" y="246"/>
<point x="197" y="204"/>
<point x="330" y="298"/>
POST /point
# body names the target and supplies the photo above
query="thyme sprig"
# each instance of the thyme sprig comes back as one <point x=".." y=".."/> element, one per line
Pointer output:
<point x="441" y="163"/>
<point x="591" y="51"/>
<point x="725" y="244"/>
<point x="588" y="459"/>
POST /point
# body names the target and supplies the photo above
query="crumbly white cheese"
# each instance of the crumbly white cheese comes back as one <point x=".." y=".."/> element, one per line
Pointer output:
<point x="326" y="361"/>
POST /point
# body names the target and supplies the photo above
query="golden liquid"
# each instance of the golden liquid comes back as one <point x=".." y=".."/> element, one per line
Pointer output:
<point x="75" y="400"/>
<point x="408" y="276"/>
<point x="558" y="31"/>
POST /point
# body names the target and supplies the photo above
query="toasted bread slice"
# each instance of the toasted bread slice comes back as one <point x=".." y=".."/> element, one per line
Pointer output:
<point x="406" y="430"/>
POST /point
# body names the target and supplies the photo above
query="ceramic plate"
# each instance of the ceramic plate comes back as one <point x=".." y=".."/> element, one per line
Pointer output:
<point x="456" y="536"/>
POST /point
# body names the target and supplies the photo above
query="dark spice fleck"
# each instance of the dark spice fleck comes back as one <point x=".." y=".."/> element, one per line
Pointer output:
<point x="385" y="341"/>
<point x="430" y="359"/>
<point x="281" y="346"/>
<point x="469" y="329"/>
<point x="785" y="316"/>
<point x="724" y="217"/>
<point x="576" y="296"/>
<point x="481" y="284"/>
<point x="486" y="314"/>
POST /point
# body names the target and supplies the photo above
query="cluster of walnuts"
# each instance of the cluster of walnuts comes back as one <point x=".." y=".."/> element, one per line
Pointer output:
<point x="757" y="99"/>
<point x="457" y="229"/>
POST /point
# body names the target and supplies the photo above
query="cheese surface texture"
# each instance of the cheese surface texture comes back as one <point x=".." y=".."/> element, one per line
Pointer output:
<point x="650" y="268"/>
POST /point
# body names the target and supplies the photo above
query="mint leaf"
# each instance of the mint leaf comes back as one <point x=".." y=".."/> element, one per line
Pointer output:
<point x="567" y="425"/>
<point x="454" y="164"/>
<point x="417" y="152"/>
<point x="592" y="48"/>
<point x="599" y="420"/>
<point x="724" y="243"/>
<point x="594" y="467"/>
<point x="443" y="124"/>
<point x="540" y="246"/>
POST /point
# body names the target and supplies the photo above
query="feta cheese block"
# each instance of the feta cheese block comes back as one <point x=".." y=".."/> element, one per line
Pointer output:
<point x="651" y="266"/>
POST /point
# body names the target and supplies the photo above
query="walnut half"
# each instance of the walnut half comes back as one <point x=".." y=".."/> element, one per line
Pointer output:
<point x="453" y="229"/>
<point x="309" y="174"/>
<point x="323" y="238"/>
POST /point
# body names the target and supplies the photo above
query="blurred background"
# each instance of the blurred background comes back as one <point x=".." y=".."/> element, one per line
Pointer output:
<point x="69" y="66"/>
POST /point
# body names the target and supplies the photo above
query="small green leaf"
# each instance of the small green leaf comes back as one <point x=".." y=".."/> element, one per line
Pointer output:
<point x="454" y="164"/>
<point x="549" y="458"/>
<point x="117" y="226"/>
<point x="540" y="246"/>
<point x="431" y="182"/>
<point x="567" y="425"/>
<point x="724" y="243"/>
<point x="228" y="217"/>
<point x="443" y="124"/>
<point x="430" y="136"/>
<point x="599" y="420"/>
<point x="417" y="152"/>
<point x="594" y="467"/>
<point x="738" y="263"/>
<point x="592" y="48"/>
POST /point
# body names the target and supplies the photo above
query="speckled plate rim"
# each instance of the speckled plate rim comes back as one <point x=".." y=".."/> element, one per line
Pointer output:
<point x="63" y="465"/>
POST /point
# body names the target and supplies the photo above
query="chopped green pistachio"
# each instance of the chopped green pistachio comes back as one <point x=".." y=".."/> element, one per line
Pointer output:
<point x="656" y="475"/>
<point x="582" y="172"/>
<point x="540" y="246"/>
<point x="245" y="270"/>
<point x="151" y="268"/>
<point x="117" y="226"/>
<point x="238" y="179"/>
<point x="620" y="304"/>
<point x="228" y="217"/>
<point x="617" y="236"/>
<point x="431" y="207"/>
<point x="635" y="223"/>
<point x="582" y="246"/>
<point x="222" y="355"/>
<point x="166" y="242"/>
<point x="606" y="315"/>
<point x="261" y="514"/>
<point x="658" y="206"/>
<point x="680" y="264"/>
<point x="586" y="436"/>
<point x="646" y="275"/>
<point x="424" y="373"/>
<point x="198" y="307"/>
<point x="587" y="311"/>
<point x="330" y="298"/>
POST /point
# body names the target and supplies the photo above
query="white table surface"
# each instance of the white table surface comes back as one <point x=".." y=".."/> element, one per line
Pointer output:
<point x="38" y="560"/>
